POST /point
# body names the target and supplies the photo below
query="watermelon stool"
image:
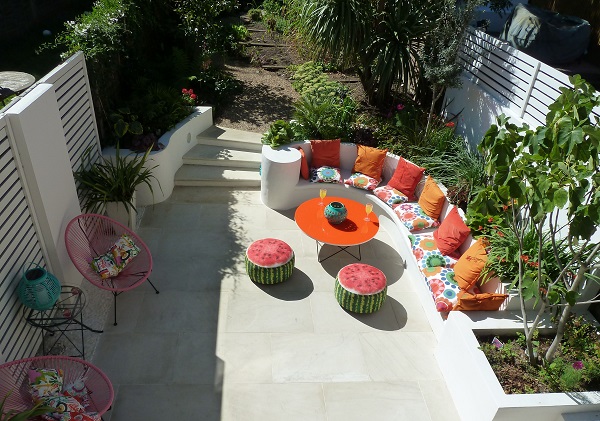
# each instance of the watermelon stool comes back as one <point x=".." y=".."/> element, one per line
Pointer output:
<point x="269" y="261"/>
<point x="360" y="288"/>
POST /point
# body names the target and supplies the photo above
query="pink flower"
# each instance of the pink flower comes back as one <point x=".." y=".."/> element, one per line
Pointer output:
<point x="190" y="91"/>
<point x="184" y="91"/>
<point x="578" y="365"/>
<point x="193" y="96"/>
<point x="400" y="107"/>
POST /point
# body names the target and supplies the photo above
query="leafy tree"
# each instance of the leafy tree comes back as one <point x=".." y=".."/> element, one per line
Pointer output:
<point x="547" y="182"/>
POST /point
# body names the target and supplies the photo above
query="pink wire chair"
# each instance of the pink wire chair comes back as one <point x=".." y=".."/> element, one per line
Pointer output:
<point x="14" y="379"/>
<point x="91" y="235"/>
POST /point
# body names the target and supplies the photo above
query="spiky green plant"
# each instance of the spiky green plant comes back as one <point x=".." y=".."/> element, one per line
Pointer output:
<point x="113" y="180"/>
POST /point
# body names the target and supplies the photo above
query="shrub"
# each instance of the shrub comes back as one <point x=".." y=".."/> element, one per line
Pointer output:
<point x="214" y="87"/>
<point x="255" y="14"/>
<point x="329" y="119"/>
<point x="309" y="80"/>
<point x="280" y="133"/>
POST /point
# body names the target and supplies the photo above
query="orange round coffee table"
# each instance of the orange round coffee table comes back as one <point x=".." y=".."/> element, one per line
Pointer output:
<point x="354" y="231"/>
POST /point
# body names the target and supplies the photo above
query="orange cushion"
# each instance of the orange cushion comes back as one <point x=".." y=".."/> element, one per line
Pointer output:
<point x="325" y="153"/>
<point x="406" y="177"/>
<point x="432" y="199"/>
<point x="303" y="164"/>
<point x="452" y="232"/>
<point x="468" y="268"/>
<point x="369" y="161"/>
<point x="485" y="301"/>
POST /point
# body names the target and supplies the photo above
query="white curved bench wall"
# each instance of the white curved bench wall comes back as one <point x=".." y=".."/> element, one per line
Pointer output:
<point x="282" y="188"/>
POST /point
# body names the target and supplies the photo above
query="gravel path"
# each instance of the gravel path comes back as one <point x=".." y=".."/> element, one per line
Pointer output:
<point x="267" y="96"/>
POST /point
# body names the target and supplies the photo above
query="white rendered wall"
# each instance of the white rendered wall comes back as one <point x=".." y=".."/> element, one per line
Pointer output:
<point x="38" y="136"/>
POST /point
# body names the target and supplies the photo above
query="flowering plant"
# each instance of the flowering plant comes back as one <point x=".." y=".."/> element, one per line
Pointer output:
<point x="189" y="97"/>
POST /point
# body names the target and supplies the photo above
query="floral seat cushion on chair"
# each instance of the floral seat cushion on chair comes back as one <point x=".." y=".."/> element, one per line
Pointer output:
<point x="69" y="402"/>
<point x="116" y="258"/>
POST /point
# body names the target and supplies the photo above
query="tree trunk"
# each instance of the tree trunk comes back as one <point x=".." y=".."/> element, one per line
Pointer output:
<point x="564" y="316"/>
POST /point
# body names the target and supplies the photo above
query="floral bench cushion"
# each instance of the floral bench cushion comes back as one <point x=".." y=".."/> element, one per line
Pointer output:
<point x="390" y="196"/>
<point x="425" y="250"/>
<point x="413" y="217"/>
<point x="443" y="287"/>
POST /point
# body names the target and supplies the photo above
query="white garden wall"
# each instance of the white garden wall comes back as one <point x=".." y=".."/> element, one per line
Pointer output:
<point x="498" y="78"/>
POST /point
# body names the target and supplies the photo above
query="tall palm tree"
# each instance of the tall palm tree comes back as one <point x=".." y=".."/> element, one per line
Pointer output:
<point x="381" y="39"/>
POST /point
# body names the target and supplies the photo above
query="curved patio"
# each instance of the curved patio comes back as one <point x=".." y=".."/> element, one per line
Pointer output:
<point x="216" y="344"/>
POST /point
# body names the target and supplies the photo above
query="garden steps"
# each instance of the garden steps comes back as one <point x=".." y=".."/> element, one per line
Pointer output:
<point x="222" y="156"/>
<point x="230" y="138"/>
<point x="216" y="176"/>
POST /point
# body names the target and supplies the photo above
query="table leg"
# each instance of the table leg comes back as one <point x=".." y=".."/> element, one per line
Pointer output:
<point x="341" y="249"/>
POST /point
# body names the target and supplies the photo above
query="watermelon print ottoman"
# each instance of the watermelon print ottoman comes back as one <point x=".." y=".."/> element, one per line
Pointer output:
<point x="269" y="261"/>
<point x="360" y="288"/>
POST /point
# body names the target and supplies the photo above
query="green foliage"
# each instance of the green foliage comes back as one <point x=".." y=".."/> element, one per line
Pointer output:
<point x="214" y="87"/>
<point x="539" y="174"/>
<point x="113" y="180"/>
<point x="125" y="122"/>
<point x="255" y="14"/>
<point x="99" y="34"/>
<point x="159" y="108"/>
<point x="160" y="43"/>
<point x="280" y="133"/>
<point x="310" y="81"/>
<point x="382" y="40"/>
<point x="331" y="118"/>
<point x="441" y="65"/>
<point x="12" y="415"/>
<point x="241" y="32"/>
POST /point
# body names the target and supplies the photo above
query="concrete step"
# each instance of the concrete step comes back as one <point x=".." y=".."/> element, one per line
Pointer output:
<point x="206" y="175"/>
<point x="222" y="156"/>
<point x="230" y="138"/>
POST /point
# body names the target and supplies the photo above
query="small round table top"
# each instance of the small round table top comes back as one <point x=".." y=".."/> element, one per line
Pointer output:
<point x="16" y="81"/>
<point x="310" y="218"/>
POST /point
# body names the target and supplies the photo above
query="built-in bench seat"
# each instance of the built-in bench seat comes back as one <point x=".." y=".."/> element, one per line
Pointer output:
<point x="282" y="188"/>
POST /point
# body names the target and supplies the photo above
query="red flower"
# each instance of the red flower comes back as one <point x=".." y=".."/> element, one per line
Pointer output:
<point x="500" y="233"/>
<point x="490" y="219"/>
<point x="193" y="96"/>
<point x="505" y="208"/>
<point x="479" y="228"/>
<point x="450" y="124"/>
<point x="533" y="264"/>
<point x="184" y="91"/>
<point x="525" y="258"/>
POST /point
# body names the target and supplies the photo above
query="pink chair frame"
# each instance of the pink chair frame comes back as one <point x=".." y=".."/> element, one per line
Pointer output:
<point x="14" y="379"/>
<point x="91" y="235"/>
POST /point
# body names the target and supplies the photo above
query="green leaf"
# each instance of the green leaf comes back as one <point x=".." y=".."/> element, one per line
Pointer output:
<point x="571" y="297"/>
<point x="560" y="198"/>
<point x="121" y="128"/>
<point x="136" y="127"/>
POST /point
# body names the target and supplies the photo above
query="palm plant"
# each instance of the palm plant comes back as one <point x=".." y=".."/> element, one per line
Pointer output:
<point x="381" y="39"/>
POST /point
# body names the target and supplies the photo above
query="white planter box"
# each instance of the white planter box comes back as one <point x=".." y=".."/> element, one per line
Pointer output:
<point x="477" y="394"/>
<point x="177" y="141"/>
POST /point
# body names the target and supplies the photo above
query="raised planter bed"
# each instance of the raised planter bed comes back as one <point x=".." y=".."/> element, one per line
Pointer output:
<point x="177" y="141"/>
<point x="477" y="394"/>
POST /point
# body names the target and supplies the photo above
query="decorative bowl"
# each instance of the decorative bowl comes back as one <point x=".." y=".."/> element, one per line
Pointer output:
<point x="336" y="213"/>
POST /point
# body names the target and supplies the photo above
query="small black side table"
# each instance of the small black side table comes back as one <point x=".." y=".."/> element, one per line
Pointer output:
<point x="65" y="316"/>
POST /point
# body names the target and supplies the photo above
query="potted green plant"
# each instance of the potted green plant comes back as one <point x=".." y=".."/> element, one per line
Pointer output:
<point x="12" y="415"/>
<point x="108" y="185"/>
